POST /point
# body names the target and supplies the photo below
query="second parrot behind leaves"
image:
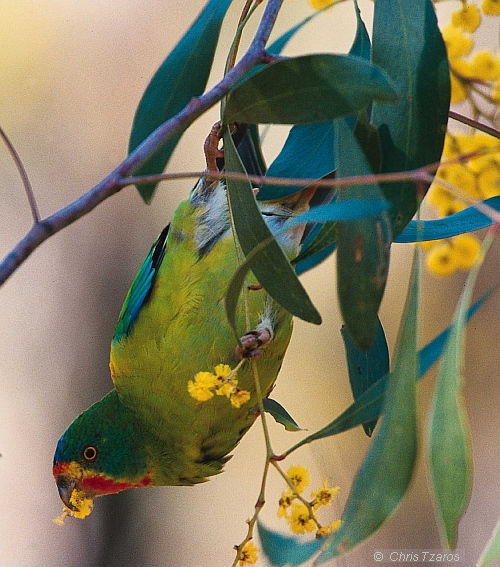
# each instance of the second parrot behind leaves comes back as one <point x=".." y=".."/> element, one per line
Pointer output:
<point x="173" y="347"/>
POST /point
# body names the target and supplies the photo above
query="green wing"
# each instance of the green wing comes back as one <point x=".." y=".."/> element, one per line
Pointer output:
<point x="141" y="288"/>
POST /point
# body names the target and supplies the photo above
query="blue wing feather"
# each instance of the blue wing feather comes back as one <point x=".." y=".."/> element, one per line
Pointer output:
<point x="141" y="287"/>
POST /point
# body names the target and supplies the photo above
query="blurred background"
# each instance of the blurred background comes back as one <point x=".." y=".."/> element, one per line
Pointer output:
<point x="71" y="76"/>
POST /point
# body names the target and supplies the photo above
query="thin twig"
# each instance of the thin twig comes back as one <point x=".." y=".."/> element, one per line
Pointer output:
<point x="394" y="177"/>
<point x="24" y="176"/>
<point x="474" y="124"/>
<point x="113" y="183"/>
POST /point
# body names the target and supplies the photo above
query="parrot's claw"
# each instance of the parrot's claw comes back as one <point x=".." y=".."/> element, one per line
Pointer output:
<point x="211" y="149"/>
<point x="251" y="343"/>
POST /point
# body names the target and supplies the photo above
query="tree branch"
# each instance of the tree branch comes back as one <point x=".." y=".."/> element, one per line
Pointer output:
<point x="113" y="182"/>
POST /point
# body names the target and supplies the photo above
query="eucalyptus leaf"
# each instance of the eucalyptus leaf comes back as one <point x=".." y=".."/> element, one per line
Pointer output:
<point x="182" y="76"/>
<point x="466" y="220"/>
<point x="363" y="246"/>
<point x="450" y="454"/>
<point x="285" y="550"/>
<point x="385" y="474"/>
<point x="361" y="46"/>
<point x="492" y="550"/>
<point x="280" y="415"/>
<point x="366" y="367"/>
<point x="408" y="45"/>
<point x="268" y="263"/>
<point x="307" y="153"/>
<point x="307" y="89"/>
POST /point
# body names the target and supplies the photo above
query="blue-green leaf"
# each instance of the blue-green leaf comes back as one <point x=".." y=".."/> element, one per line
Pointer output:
<point x="182" y="75"/>
<point x="492" y="550"/>
<point x="306" y="89"/>
<point x="408" y="45"/>
<point x="265" y="257"/>
<point x="366" y="366"/>
<point x="363" y="246"/>
<point x="285" y="550"/>
<point x="464" y="221"/>
<point x="450" y="454"/>
<point x="386" y="472"/>
<point x="280" y="415"/>
<point x="307" y="153"/>
<point x="361" y="46"/>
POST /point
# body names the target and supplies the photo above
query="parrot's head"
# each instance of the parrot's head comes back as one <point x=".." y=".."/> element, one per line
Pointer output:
<point x="101" y="452"/>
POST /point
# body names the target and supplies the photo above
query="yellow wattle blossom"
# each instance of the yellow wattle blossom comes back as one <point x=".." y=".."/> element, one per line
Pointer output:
<point x="285" y="502"/>
<point x="300" y="519"/>
<point x="465" y="249"/>
<point x="239" y="397"/>
<point x="201" y="388"/>
<point x="485" y="66"/>
<point x="457" y="43"/>
<point x="249" y="554"/>
<point x="467" y="18"/>
<point x="441" y="260"/>
<point x="491" y="7"/>
<point x="223" y="383"/>
<point x="459" y="90"/>
<point x="495" y="92"/>
<point x="324" y="496"/>
<point x="299" y="476"/>
<point x="489" y="181"/>
<point x="327" y="530"/>
<point x="81" y="502"/>
<point x="450" y="208"/>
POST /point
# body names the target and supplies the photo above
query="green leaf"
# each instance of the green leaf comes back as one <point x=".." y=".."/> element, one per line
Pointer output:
<point x="285" y="550"/>
<point x="450" y="456"/>
<point x="264" y="255"/>
<point x="306" y="89"/>
<point x="492" y="550"/>
<point x="307" y="153"/>
<point x="361" y="46"/>
<point x="182" y="76"/>
<point x="363" y="246"/>
<point x="408" y="45"/>
<point x="366" y="367"/>
<point x="386" y="472"/>
<point x="464" y="221"/>
<point x="280" y="415"/>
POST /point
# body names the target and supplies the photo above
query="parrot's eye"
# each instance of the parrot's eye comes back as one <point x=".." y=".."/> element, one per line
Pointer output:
<point x="90" y="453"/>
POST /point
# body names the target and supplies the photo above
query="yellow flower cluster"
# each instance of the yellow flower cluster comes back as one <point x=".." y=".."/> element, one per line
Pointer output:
<point x="83" y="507"/>
<point x="301" y="514"/>
<point x="223" y="383"/>
<point x="446" y="256"/>
<point x="477" y="177"/>
<point x="476" y="75"/>
<point x="248" y="555"/>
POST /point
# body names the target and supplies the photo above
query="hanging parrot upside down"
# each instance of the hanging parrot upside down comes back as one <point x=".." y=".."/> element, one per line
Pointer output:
<point x="153" y="429"/>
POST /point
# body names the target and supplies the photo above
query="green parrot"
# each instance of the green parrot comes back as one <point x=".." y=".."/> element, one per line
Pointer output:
<point x="184" y="391"/>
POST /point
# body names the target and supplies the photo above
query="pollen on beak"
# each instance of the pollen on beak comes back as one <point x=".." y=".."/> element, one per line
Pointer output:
<point x="65" y="486"/>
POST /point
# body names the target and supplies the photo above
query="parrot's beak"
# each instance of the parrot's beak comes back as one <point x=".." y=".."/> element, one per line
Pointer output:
<point x="65" y="486"/>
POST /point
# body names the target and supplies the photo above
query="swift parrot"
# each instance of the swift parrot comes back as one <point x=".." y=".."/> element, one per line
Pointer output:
<point x="178" y="408"/>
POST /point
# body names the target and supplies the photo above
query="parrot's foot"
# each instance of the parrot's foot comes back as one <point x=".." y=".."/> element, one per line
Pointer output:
<point x="251" y="343"/>
<point x="212" y="151"/>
